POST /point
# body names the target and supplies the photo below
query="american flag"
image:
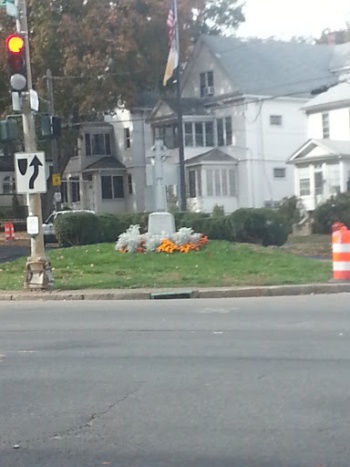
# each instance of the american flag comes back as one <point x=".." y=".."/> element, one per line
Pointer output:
<point x="171" y="22"/>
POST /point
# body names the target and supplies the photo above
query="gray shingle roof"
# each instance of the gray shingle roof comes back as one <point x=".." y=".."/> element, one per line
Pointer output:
<point x="105" y="163"/>
<point x="273" y="68"/>
<point x="341" y="56"/>
<point x="335" y="95"/>
<point x="334" y="147"/>
<point x="190" y="106"/>
<point x="214" y="155"/>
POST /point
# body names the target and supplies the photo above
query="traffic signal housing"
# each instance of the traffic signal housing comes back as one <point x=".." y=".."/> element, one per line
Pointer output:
<point x="51" y="126"/>
<point x="16" y="61"/>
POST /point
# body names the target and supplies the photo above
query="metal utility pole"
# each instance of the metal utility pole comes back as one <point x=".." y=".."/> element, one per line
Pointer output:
<point x="54" y="148"/>
<point x="183" y="201"/>
<point x="38" y="274"/>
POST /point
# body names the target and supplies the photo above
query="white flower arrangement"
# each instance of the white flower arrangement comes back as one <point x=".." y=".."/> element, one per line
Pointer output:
<point x="133" y="241"/>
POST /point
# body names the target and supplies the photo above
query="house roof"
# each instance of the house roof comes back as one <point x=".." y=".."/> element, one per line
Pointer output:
<point x="270" y="67"/>
<point x="336" y="95"/>
<point x="341" y="56"/>
<point x="105" y="163"/>
<point x="190" y="106"/>
<point x="7" y="164"/>
<point x="214" y="155"/>
<point x="332" y="147"/>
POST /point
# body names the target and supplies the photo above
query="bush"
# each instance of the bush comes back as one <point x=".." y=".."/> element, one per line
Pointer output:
<point x="218" y="211"/>
<point x="291" y="208"/>
<point x="336" y="209"/>
<point x="80" y="228"/>
<point x="260" y="226"/>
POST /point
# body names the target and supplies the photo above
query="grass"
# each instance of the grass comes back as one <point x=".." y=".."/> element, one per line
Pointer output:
<point x="218" y="264"/>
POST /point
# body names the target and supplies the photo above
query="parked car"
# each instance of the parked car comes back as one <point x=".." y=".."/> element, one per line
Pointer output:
<point x="49" y="227"/>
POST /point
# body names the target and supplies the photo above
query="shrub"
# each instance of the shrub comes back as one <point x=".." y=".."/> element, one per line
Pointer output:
<point x="113" y="225"/>
<point x="336" y="209"/>
<point x="260" y="226"/>
<point x="218" y="211"/>
<point x="291" y="208"/>
<point x="80" y="228"/>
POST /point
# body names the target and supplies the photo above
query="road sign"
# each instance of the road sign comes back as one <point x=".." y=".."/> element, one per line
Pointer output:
<point x="30" y="172"/>
<point x="56" y="180"/>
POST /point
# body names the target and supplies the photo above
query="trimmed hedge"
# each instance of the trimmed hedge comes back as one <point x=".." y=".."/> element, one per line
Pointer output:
<point x="79" y="228"/>
<point x="336" y="209"/>
<point x="261" y="226"/>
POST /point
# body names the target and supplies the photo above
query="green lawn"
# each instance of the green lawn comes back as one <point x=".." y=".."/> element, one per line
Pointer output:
<point x="219" y="263"/>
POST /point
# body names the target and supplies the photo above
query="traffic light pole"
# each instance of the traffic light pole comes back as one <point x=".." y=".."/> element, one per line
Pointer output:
<point x="54" y="149"/>
<point x="38" y="274"/>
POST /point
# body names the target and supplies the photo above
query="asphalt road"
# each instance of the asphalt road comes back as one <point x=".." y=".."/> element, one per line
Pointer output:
<point x="12" y="252"/>
<point x="193" y="383"/>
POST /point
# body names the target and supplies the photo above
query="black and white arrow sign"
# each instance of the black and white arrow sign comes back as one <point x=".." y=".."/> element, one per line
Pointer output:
<point x="30" y="172"/>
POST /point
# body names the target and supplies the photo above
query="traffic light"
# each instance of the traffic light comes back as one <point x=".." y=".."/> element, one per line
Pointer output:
<point x="16" y="61"/>
<point x="51" y="126"/>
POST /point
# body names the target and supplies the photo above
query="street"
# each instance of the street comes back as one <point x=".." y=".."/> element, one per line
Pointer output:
<point x="262" y="382"/>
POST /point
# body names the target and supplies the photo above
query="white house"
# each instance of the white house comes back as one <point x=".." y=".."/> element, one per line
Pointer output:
<point x="322" y="163"/>
<point x="241" y="104"/>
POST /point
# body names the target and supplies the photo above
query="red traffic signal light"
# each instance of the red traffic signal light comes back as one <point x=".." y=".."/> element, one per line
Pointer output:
<point x="16" y="61"/>
<point x="15" y="44"/>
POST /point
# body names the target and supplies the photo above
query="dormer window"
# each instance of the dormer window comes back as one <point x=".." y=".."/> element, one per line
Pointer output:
<point x="97" y="144"/>
<point x="206" y="83"/>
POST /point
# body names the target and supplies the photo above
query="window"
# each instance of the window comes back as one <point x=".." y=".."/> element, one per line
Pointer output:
<point x="112" y="186"/>
<point x="221" y="182"/>
<point x="304" y="186"/>
<point x="318" y="183"/>
<point x="198" y="127"/>
<point x="127" y="138"/>
<point x="168" y="134"/>
<point x="210" y="191"/>
<point x="217" y="183"/>
<point x="228" y="129"/>
<point x="334" y="178"/>
<point x="9" y="185"/>
<point x="224" y="182"/>
<point x="209" y="134"/>
<point x="276" y="120"/>
<point x="206" y="83"/>
<point x="220" y="130"/>
<point x="130" y="189"/>
<point x="232" y="181"/>
<point x="188" y="134"/>
<point x="98" y="144"/>
<point x="304" y="181"/>
<point x="192" y="183"/>
<point x="199" y="134"/>
<point x="279" y="172"/>
<point x="64" y="191"/>
<point x="224" y="131"/>
<point x="325" y="125"/>
<point x="75" y="189"/>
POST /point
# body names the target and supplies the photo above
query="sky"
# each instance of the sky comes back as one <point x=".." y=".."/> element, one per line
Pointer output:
<point x="287" y="18"/>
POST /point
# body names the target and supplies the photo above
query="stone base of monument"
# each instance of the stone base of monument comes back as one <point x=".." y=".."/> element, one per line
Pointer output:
<point x="161" y="222"/>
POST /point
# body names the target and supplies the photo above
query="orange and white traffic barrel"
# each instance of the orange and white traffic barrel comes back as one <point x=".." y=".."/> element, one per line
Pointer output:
<point x="341" y="254"/>
<point x="9" y="231"/>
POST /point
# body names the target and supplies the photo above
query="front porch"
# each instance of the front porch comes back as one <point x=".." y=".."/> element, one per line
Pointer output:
<point x="322" y="170"/>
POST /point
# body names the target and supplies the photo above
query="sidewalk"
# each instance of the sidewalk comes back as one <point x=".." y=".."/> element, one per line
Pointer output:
<point x="156" y="294"/>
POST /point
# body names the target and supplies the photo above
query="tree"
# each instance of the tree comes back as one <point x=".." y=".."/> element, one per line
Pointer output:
<point x="219" y="17"/>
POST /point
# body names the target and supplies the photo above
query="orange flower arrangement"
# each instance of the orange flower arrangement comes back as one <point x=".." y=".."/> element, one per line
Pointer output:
<point x="167" y="246"/>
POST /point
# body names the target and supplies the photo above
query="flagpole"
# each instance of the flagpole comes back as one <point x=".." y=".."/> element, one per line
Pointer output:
<point x="182" y="193"/>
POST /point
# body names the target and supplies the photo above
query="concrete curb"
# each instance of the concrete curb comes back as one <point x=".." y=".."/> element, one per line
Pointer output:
<point x="149" y="294"/>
